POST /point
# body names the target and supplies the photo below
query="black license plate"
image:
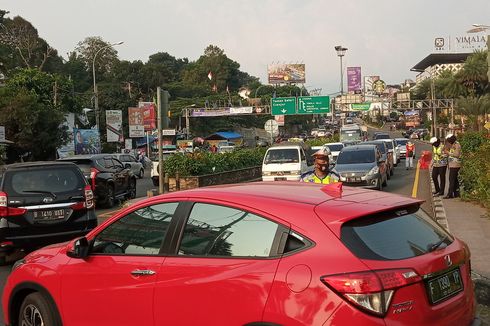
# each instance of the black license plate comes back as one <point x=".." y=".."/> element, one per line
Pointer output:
<point x="49" y="215"/>
<point x="280" y="179"/>
<point x="354" y="179"/>
<point x="444" y="286"/>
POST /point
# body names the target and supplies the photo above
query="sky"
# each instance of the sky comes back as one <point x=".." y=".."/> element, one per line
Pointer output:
<point x="385" y="38"/>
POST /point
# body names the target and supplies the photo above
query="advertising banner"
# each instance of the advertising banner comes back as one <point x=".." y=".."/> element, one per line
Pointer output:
<point x="354" y="79"/>
<point x="241" y="110"/>
<point x="360" y="106"/>
<point x="368" y="84"/>
<point x="465" y="43"/>
<point x="113" y="120"/>
<point x="87" y="141"/>
<point x="149" y="114"/>
<point x="136" y="120"/>
<point x="286" y="73"/>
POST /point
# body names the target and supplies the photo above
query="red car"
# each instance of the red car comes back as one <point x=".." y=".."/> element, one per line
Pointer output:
<point x="251" y="254"/>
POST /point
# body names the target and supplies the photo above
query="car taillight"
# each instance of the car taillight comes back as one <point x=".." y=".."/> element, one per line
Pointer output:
<point x="93" y="175"/>
<point x="9" y="211"/>
<point x="89" y="197"/>
<point x="371" y="291"/>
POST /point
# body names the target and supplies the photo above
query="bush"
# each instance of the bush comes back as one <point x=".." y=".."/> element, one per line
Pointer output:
<point x="201" y="163"/>
<point x="475" y="171"/>
<point x="323" y="140"/>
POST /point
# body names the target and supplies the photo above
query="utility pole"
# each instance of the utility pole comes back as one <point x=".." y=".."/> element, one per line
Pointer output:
<point x="434" y="110"/>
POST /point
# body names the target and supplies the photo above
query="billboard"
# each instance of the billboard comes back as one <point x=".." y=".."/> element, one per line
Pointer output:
<point x="113" y="119"/>
<point x="148" y="115"/>
<point x="465" y="43"/>
<point x="368" y="84"/>
<point x="354" y="79"/>
<point x="290" y="73"/>
<point x="136" y="120"/>
<point x="87" y="141"/>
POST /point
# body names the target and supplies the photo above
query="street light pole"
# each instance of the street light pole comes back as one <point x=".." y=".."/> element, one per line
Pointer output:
<point x="96" y="94"/>
<point x="340" y="53"/>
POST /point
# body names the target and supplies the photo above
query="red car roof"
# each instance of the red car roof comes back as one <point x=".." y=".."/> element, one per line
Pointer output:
<point x="333" y="209"/>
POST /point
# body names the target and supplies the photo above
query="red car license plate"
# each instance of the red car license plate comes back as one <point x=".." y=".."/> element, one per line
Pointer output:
<point x="49" y="215"/>
<point x="444" y="286"/>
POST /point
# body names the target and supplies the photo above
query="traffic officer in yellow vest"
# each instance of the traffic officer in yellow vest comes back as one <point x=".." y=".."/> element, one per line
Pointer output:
<point x="454" y="162"/>
<point x="439" y="166"/>
<point x="321" y="173"/>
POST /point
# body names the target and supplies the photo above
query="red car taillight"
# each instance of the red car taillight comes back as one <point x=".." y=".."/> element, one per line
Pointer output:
<point x="89" y="197"/>
<point x="93" y="175"/>
<point x="89" y="200"/>
<point x="371" y="291"/>
<point x="9" y="211"/>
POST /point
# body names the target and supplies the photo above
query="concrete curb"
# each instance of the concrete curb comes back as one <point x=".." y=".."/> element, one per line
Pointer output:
<point x="482" y="283"/>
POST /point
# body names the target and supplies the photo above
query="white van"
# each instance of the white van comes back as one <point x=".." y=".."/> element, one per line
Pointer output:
<point x="286" y="161"/>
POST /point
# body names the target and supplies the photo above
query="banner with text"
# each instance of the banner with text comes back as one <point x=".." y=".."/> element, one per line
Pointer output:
<point x="148" y="115"/>
<point x="353" y="78"/>
<point x="113" y="120"/>
<point x="136" y="122"/>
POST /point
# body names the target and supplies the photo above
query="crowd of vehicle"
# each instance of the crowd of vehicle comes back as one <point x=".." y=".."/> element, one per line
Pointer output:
<point x="356" y="160"/>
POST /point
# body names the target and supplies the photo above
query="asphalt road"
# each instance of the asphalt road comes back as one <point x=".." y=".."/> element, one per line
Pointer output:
<point x="400" y="183"/>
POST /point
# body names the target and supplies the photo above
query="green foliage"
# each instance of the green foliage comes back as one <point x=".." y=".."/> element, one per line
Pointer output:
<point x="323" y="140"/>
<point x="475" y="171"/>
<point x="201" y="163"/>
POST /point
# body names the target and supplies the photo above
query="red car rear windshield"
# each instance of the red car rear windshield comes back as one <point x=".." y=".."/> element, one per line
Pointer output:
<point x="393" y="236"/>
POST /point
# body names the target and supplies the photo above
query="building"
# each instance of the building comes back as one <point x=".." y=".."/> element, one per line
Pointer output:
<point x="435" y="63"/>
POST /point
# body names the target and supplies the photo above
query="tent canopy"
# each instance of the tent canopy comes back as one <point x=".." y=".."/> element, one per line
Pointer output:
<point x="224" y="135"/>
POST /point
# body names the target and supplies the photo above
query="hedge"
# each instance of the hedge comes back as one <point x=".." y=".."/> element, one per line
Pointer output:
<point x="202" y="163"/>
<point x="475" y="170"/>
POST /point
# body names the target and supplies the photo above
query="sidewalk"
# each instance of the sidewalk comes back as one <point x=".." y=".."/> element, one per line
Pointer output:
<point x="471" y="223"/>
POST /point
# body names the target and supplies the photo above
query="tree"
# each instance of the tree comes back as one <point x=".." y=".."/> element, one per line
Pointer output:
<point x="27" y="49"/>
<point x="474" y="73"/>
<point x="106" y="58"/>
<point x="33" y="105"/>
<point x="475" y="109"/>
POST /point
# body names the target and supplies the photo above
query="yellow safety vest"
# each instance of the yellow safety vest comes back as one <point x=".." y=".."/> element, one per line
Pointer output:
<point x="438" y="157"/>
<point x="311" y="177"/>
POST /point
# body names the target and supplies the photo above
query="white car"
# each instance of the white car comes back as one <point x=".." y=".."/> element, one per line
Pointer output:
<point x="335" y="149"/>
<point x="391" y="146"/>
<point x="321" y="132"/>
<point x="401" y="143"/>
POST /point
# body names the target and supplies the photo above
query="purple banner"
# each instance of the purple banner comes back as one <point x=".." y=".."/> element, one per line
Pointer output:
<point x="353" y="78"/>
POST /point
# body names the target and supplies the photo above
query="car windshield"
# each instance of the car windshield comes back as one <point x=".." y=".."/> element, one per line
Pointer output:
<point x="335" y="147"/>
<point x="358" y="156"/>
<point x="401" y="142"/>
<point x="380" y="145"/>
<point x="389" y="144"/>
<point x="282" y="155"/>
<point x="50" y="180"/>
<point x="393" y="235"/>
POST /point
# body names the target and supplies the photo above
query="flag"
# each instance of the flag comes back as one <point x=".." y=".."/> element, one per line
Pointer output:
<point x="210" y="75"/>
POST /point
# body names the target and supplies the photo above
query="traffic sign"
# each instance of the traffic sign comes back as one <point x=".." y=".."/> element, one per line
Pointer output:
<point x="313" y="104"/>
<point x="283" y="105"/>
<point x="272" y="127"/>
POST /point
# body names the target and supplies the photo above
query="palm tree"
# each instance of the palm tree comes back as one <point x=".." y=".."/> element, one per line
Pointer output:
<point x="474" y="73"/>
<point x="475" y="108"/>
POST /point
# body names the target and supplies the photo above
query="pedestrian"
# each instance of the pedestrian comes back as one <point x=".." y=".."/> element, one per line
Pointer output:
<point x="409" y="155"/>
<point x="321" y="173"/>
<point x="454" y="163"/>
<point x="439" y="166"/>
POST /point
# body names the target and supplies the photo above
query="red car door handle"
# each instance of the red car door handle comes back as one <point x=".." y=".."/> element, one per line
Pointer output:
<point x="143" y="272"/>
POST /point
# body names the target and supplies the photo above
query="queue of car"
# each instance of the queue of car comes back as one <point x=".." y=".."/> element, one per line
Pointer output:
<point x="242" y="254"/>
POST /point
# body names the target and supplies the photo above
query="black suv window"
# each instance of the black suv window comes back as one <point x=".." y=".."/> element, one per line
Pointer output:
<point x="391" y="237"/>
<point x="223" y="231"/>
<point x="138" y="233"/>
<point x="358" y="156"/>
<point x="53" y="179"/>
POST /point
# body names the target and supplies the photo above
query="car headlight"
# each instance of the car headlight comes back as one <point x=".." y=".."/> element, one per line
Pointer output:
<point x="374" y="171"/>
<point x="266" y="173"/>
<point x="297" y="172"/>
<point x="17" y="264"/>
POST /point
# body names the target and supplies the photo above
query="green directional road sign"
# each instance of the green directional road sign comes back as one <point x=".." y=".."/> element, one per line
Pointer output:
<point x="283" y="105"/>
<point x="313" y="104"/>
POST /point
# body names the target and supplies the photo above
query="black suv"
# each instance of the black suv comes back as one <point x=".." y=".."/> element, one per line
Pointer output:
<point x="109" y="178"/>
<point x="43" y="203"/>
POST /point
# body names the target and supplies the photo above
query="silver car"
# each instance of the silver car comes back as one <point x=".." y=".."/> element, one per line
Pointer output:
<point x="362" y="165"/>
<point x="131" y="162"/>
